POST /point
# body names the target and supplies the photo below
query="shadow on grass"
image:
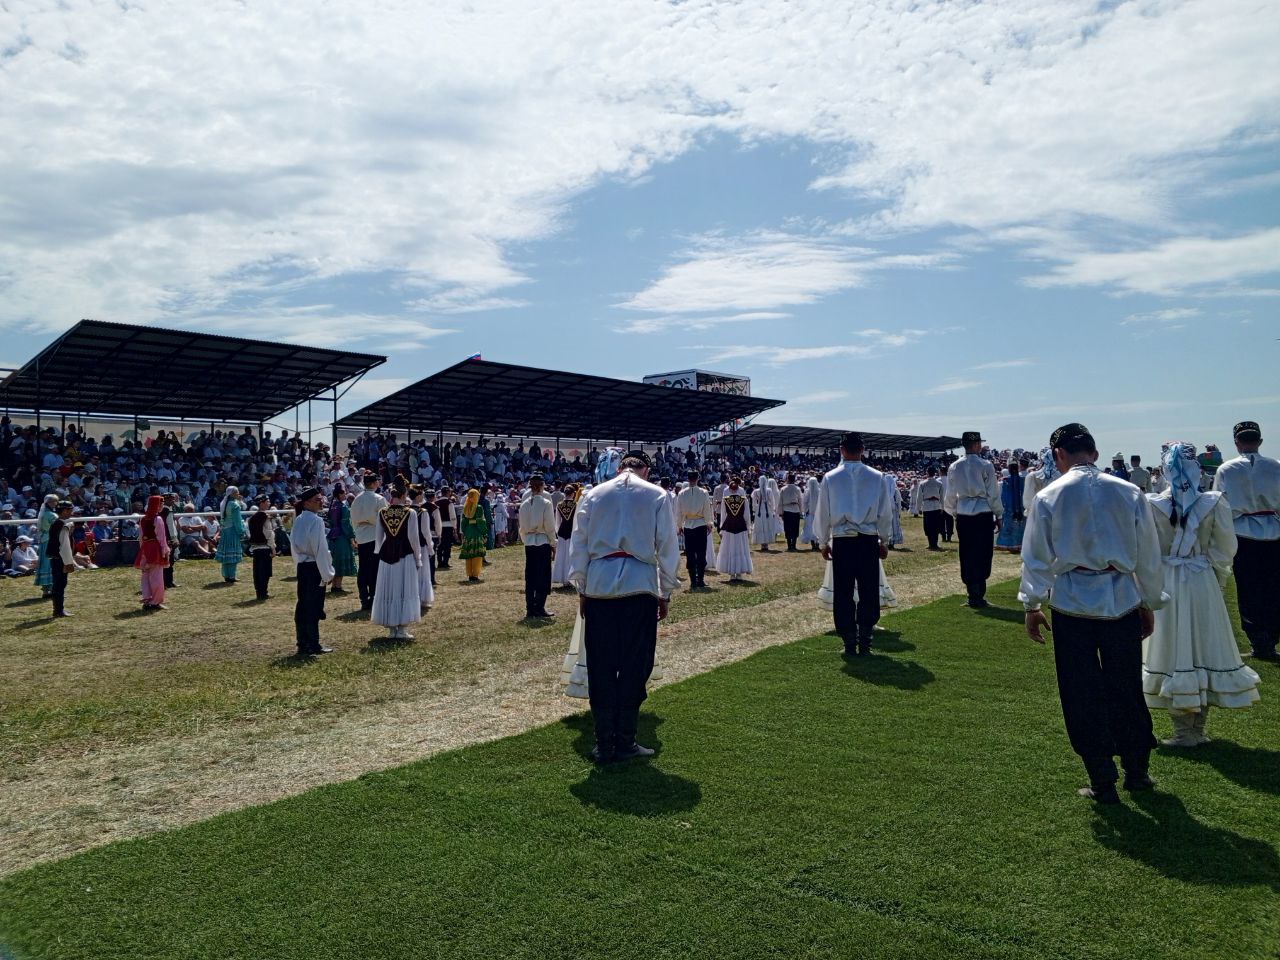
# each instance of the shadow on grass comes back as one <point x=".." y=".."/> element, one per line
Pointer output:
<point x="29" y="602"/>
<point x="536" y="623"/>
<point x="292" y="661"/>
<point x="1002" y="613"/>
<point x="889" y="641"/>
<point x="133" y="614"/>
<point x="353" y="616"/>
<point x="740" y="583"/>
<point x="1163" y="835"/>
<point x="634" y="787"/>
<point x="386" y="645"/>
<point x="250" y="603"/>
<point x="1253" y="767"/>
<point x="219" y="585"/>
<point x="32" y="624"/>
<point x="888" y="672"/>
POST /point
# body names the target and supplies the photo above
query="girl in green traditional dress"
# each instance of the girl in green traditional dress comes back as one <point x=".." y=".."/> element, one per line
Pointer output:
<point x="475" y="535"/>
<point x="342" y="537"/>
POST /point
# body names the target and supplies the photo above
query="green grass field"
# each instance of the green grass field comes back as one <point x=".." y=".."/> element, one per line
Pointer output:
<point x="919" y="803"/>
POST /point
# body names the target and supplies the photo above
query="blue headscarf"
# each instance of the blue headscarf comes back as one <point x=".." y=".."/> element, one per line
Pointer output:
<point x="607" y="467"/>
<point x="1182" y="470"/>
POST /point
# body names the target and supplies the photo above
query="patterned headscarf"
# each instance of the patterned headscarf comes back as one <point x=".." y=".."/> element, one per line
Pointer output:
<point x="1048" y="468"/>
<point x="607" y="467"/>
<point x="1182" y="470"/>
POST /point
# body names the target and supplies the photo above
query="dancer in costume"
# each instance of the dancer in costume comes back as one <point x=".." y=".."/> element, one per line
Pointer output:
<point x="973" y="499"/>
<point x="231" y="534"/>
<point x="693" y="515"/>
<point x="261" y="545"/>
<point x="396" y="603"/>
<point x="734" y="557"/>
<point x="1037" y="480"/>
<point x="314" y="568"/>
<point x="1191" y="662"/>
<point x="763" y="532"/>
<point x="1014" y="522"/>
<point x="44" y="569"/>
<point x="926" y="500"/>
<point x="426" y="543"/>
<point x="61" y="555"/>
<point x="475" y="535"/>
<point x="153" y="554"/>
<point x="895" y="504"/>
<point x="826" y="592"/>
<point x="537" y="530"/>
<point x="342" y="539"/>
<point x="565" y="510"/>
<point x="810" y="501"/>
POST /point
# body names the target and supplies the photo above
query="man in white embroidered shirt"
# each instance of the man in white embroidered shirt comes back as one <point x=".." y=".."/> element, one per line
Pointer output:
<point x="973" y="498"/>
<point x="693" y="514"/>
<point x="1251" y="485"/>
<point x="1092" y="552"/>
<point x="623" y="560"/>
<point x="853" y="520"/>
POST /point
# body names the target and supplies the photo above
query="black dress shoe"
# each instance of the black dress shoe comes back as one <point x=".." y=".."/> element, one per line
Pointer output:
<point x="633" y="751"/>
<point x="322" y="649"/>
<point x="62" y="614"/>
<point x="1139" y="783"/>
<point x="1102" y="794"/>
<point x="545" y="614"/>
<point x="601" y="757"/>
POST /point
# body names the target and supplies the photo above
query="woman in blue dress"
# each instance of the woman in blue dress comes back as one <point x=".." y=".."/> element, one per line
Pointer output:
<point x="232" y="532"/>
<point x="44" y="572"/>
<point x="1014" y="522"/>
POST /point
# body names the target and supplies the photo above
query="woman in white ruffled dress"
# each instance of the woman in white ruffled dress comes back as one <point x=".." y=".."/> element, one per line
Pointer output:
<point x="426" y="538"/>
<point x="1191" y="662"/>
<point x="564" y="514"/>
<point x="733" y="559"/>
<point x="763" y="532"/>
<point x="396" y="602"/>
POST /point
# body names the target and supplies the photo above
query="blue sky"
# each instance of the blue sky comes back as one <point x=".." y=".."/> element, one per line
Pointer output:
<point x="921" y="218"/>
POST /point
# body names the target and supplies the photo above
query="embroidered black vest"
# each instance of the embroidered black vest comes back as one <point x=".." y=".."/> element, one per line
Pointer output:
<point x="397" y="522"/>
<point x="735" y="508"/>
<point x="566" y="510"/>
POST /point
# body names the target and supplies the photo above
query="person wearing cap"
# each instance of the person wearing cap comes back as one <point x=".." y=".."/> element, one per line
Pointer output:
<point x="537" y="533"/>
<point x="624" y="561"/>
<point x="364" y="511"/>
<point x="168" y="513"/>
<point x="565" y="511"/>
<point x="1118" y="468"/>
<point x="791" y="505"/>
<point x="693" y="514"/>
<point x="309" y="546"/>
<point x="1092" y="553"/>
<point x="927" y="501"/>
<point x="1251" y="485"/>
<point x="973" y="498"/>
<point x="854" y="522"/>
<point x="24" y="559"/>
<point x="397" y="602"/>
<point x="61" y="556"/>
<point x="261" y="545"/>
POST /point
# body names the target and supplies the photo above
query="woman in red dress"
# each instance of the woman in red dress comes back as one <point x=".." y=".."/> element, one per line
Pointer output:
<point x="153" y="555"/>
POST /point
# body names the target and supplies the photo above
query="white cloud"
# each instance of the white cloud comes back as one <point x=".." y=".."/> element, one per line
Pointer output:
<point x="878" y="341"/>
<point x="1170" y="318"/>
<point x="1172" y="266"/>
<point x="817" y="397"/>
<point x="179" y="160"/>
<point x="375" y="388"/>
<point x="1005" y="364"/>
<point x="953" y="385"/>
<point x="322" y="325"/>
<point x="661" y="324"/>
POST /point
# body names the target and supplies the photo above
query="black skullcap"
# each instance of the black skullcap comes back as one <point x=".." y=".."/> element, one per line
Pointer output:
<point x="638" y="454"/>
<point x="971" y="436"/>
<point x="1067" y="433"/>
<point x="308" y="493"/>
<point x="1246" y="430"/>
<point x="852" y="441"/>
<point x="64" y="505"/>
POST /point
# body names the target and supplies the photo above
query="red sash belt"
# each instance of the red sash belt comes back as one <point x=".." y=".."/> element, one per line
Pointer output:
<point x="1108" y="569"/>
<point x="619" y="553"/>
<point x="1260" y="513"/>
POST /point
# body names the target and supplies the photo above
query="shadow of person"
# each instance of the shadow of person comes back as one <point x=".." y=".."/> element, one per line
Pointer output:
<point x="741" y="583"/>
<point x="888" y="672"/>
<point x="27" y="602"/>
<point x="585" y="729"/>
<point x="638" y="788"/>
<point x="889" y="641"/>
<point x="386" y="644"/>
<point x="1002" y="613"/>
<point x="292" y="661"/>
<point x="133" y="614"/>
<point x="252" y="602"/>
<point x="219" y="585"/>
<point x="353" y="616"/>
<point x="1163" y="835"/>
<point x="1253" y="767"/>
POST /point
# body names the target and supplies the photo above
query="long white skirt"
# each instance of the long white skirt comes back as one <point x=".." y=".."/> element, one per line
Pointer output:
<point x="734" y="556"/>
<point x="762" y="531"/>
<point x="573" y="672"/>
<point x="426" y="592"/>
<point x="809" y="535"/>
<point x="560" y="568"/>
<point x="395" y="597"/>
<point x="826" y="592"/>
<point x="1191" y="661"/>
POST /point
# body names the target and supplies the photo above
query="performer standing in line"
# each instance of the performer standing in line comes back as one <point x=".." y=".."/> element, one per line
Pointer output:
<point x="475" y="534"/>
<point x="61" y="555"/>
<point x="426" y="544"/>
<point x="44" y="521"/>
<point x="1014" y="522"/>
<point x="231" y="536"/>
<point x="928" y="503"/>
<point x="1191" y="662"/>
<point x="564" y="530"/>
<point x="1092" y="552"/>
<point x="895" y="503"/>
<point x="734" y="557"/>
<point x="762" y="509"/>
<point x="396" y="603"/>
<point x="693" y="514"/>
<point x="153" y="554"/>
<point x="854" y="520"/>
<point x="810" y="503"/>
<point x="448" y="528"/>
<point x="1038" y="479"/>
<point x="973" y="498"/>
<point x="261" y="545"/>
<point x="309" y="545"/>
<point x="364" y="512"/>
<point x="342" y="539"/>
<point x="624" y="562"/>
<point x="1251" y="484"/>
<point x="433" y="510"/>
<point x="537" y="531"/>
<point x="169" y="514"/>
<point x="791" y="503"/>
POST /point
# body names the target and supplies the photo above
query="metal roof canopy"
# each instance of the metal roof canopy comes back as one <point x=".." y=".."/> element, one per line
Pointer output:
<point x="768" y="435"/>
<point x="120" y="368"/>
<point x="501" y="399"/>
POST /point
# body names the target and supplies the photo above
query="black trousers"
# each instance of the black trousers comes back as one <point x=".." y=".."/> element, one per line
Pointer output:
<point x="855" y="561"/>
<point x="309" y="610"/>
<point x="1099" y="666"/>
<point x="445" y="550"/>
<point x="367" y="573"/>
<point x="621" y="636"/>
<point x="933" y="526"/>
<point x="948" y="526"/>
<point x="431" y="563"/>
<point x="1257" y="570"/>
<point x="174" y="550"/>
<point x="977" y="545"/>
<point x="695" y="553"/>
<point x="537" y="578"/>
<point x="791" y="528"/>
<point x="261" y="572"/>
<point x="59" y="589"/>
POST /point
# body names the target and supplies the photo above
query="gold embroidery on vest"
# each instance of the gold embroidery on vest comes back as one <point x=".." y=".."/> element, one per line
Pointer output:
<point x="734" y="504"/>
<point x="393" y="518"/>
